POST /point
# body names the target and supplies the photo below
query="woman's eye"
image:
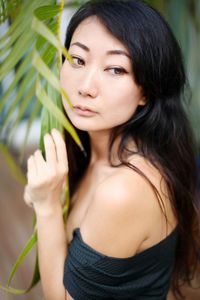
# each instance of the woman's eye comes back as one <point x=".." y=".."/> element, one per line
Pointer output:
<point x="77" y="61"/>
<point x="117" y="71"/>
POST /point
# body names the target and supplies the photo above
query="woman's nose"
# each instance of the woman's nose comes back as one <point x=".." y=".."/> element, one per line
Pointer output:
<point x="88" y="86"/>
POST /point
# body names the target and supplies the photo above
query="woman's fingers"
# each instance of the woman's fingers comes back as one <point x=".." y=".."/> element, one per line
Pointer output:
<point x="61" y="150"/>
<point x="39" y="160"/>
<point x="27" y="197"/>
<point x="36" y="164"/>
<point x="56" y="164"/>
<point x="32" y="169"/>
<point x="50" y="151"/>
<point x="46" y="177"/>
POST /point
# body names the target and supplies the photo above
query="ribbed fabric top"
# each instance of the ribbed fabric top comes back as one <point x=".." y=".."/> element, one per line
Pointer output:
<point x="91" y="275"/>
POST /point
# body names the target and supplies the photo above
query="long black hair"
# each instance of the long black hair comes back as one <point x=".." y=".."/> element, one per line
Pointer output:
<point x="160" y="128"/>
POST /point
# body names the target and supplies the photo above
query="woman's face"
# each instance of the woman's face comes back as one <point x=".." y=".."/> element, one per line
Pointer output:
<point x="100" y="80"/>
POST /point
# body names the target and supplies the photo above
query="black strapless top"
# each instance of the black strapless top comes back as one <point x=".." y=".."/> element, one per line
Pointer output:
<point x="91" y="275"/>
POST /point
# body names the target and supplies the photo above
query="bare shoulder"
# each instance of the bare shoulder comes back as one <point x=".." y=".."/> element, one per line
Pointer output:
<point x="125" y="189"/>
<point x="120" y="217"/>
<point x="131" y="188"/>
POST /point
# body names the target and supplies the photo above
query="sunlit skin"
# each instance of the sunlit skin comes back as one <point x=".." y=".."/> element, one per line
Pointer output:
<point x="99" y="78"/>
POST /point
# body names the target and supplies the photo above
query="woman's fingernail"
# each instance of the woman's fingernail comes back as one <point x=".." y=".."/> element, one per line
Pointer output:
<point x="53" y="130"/>
<point x="46" y="135"/>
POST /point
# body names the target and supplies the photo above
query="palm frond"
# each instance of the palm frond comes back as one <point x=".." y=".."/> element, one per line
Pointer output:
<point x="37" y="39"/>
<point x="32" y="48"/>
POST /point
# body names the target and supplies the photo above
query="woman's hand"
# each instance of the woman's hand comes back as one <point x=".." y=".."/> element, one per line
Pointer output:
<point x="46" y="178"/>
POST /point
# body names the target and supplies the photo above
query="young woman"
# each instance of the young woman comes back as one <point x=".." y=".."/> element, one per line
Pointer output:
<point x="133" y="223"/>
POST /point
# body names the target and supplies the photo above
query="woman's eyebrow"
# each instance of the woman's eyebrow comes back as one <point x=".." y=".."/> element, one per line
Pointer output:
<point x="81" y="46"/>
<point x="109" y="52"/>
<point x="118" y="52"/>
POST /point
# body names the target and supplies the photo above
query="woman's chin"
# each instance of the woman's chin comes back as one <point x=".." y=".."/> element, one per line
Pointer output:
<point x="88" y="127"/>
<point x="83" y="127"/>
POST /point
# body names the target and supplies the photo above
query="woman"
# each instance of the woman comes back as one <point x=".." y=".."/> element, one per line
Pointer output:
<point x="133" y="223"/>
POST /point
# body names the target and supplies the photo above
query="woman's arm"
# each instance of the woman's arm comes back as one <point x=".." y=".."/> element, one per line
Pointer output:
<point x="52" y="250"/>
<point x="45" y="181"/>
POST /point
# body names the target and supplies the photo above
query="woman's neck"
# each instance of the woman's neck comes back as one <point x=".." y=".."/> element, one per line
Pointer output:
<point x="99" y="142"/>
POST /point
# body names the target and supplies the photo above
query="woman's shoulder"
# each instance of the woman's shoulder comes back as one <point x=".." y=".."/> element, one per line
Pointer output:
<point x="133" y="182"/>
<point x="123" y="214"/>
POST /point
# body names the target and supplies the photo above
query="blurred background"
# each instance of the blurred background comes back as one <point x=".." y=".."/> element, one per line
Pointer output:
<point x="15" y="217"/>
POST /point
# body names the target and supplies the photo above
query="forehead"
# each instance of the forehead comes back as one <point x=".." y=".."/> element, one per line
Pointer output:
<point x="93" y="33"/>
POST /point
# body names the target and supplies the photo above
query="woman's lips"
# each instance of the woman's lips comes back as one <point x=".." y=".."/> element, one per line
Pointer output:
<point x="84" y="111"/>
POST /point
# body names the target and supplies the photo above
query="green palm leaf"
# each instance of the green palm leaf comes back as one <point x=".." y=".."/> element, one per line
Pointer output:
<point x="14" y="168"/>
<point x="32" y="47"/>
<point x="28" y="247"/>
<point x="44" y="55"/>
<point x="36" y="276"/>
